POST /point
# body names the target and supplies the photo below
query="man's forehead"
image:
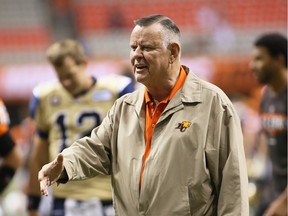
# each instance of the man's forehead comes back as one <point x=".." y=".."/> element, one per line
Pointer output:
<point x="259" y="50"/>
<point x="150" y="27"/>
<point x="154" y="31"/>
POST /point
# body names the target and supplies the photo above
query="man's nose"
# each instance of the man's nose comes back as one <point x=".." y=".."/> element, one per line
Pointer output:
<point x="66" y="83"/>
<point x="138" y="52"/>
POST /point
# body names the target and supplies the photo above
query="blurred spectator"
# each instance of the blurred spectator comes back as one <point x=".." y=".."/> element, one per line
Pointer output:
<point x="269" y="64"/>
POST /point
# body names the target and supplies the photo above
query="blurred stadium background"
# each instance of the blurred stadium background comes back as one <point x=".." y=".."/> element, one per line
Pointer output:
<point x="217" y="38"/>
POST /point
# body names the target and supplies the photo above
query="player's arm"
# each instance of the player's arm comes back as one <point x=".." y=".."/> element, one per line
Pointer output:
<point x="39" y="156"/>
<point x="13" y="159"/>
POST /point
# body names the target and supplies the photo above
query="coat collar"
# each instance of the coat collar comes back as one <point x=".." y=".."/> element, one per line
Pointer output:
<point x="192" y="88"/>
<point x="189" y="93"/>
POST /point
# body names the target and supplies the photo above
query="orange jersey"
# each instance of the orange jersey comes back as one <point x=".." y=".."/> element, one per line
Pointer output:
<point x="4" y="119"/>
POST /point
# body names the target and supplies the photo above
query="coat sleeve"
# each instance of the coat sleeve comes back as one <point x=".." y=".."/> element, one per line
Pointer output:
<point x="90" y="156"/>
<point x="228" y="164"/>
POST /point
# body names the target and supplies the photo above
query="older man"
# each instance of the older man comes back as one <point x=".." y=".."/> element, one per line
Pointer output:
<point x="172" y="148"/>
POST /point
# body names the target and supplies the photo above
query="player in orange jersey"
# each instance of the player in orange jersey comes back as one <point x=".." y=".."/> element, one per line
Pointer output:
<point x="9" y="152"/>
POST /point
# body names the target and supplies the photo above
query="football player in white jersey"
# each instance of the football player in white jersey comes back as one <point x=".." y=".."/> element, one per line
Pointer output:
<point x="63" y="111"/>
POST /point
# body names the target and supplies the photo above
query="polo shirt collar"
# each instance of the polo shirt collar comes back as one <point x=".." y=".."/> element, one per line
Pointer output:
<point x="179" y="83"/>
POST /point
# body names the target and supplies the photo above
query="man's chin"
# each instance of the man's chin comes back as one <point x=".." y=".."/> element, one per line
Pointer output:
<point x="139" y="78"/>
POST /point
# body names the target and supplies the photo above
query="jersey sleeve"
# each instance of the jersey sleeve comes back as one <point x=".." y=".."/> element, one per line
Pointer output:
<point x="126" y="85"/>
<point x="118" y="85"/>
<point x="37" y="112"/>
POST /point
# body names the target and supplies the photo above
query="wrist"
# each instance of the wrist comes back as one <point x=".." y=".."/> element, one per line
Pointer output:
<point x="63" y="178"/>
<point x="33" y="202"/>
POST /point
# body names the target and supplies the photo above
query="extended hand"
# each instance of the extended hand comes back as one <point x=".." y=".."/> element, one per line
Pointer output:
<point x="50" y="173"/>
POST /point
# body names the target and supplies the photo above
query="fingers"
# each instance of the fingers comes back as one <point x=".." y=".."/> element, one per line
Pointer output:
<point x="44" y="187"/>
<point x="44" y="182"/>
<point x="49" y="174"/>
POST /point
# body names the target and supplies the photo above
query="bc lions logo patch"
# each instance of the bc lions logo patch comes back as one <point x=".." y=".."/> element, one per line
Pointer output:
<point x="183" y="125"/>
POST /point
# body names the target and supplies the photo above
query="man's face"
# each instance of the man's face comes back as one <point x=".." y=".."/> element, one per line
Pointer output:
<point x="71" y="75"/>
<point x="149" y="55"/>
<point x="262" y="65"/>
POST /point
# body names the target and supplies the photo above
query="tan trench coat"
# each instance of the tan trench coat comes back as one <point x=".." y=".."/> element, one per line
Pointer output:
<point x="196" y="165"/>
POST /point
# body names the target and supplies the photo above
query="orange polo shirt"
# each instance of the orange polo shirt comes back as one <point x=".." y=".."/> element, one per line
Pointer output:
<point x="153" y="114"/>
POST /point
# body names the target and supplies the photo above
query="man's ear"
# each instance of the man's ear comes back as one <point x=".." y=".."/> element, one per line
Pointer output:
<point x="281" y="59"/>
<point x="174" y="51"/>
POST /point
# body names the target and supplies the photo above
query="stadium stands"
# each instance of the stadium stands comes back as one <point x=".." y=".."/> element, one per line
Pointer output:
<point x="215" y="29"/>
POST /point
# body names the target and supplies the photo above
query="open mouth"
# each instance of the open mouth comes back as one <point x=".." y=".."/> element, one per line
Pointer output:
<point x="140" y="67"/>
